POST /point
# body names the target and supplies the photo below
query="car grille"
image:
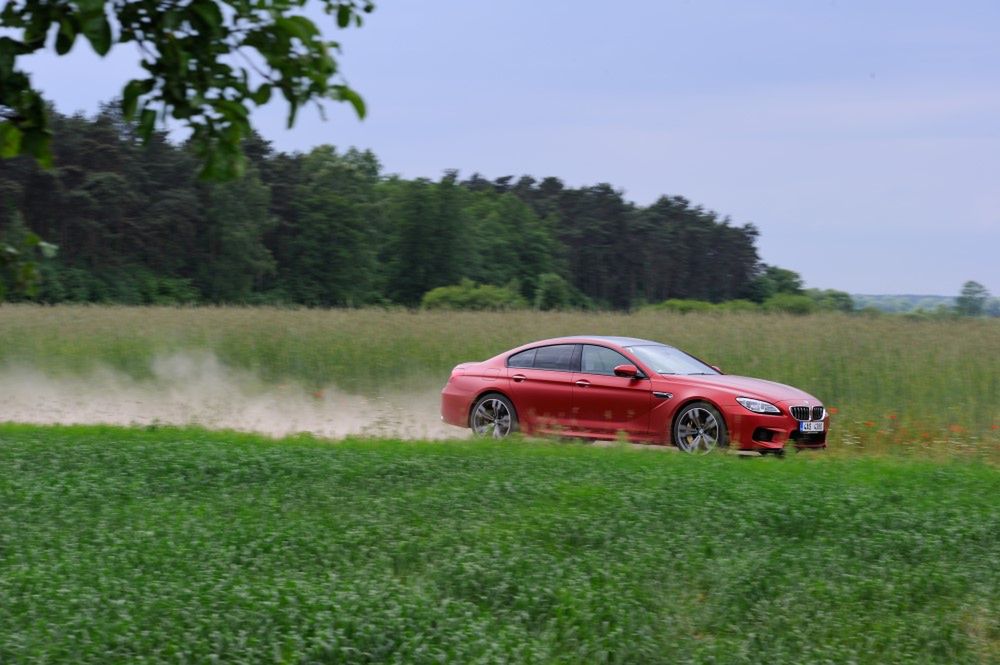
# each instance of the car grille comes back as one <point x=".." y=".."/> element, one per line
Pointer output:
<point x="805" y="413"/>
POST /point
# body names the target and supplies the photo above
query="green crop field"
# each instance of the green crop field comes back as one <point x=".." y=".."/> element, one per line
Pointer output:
<point x="931" y="387"/>
<point x="185" y="546"/>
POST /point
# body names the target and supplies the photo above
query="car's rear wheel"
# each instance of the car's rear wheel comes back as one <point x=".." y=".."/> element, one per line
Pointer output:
<point x="493" y="415"/>
<point x="700" y="428"/>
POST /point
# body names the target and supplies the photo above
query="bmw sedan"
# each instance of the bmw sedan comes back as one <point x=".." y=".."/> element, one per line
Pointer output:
<point x="605" y="387"/>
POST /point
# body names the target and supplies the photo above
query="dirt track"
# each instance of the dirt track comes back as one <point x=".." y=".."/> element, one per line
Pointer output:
<point x="197" y="389"/>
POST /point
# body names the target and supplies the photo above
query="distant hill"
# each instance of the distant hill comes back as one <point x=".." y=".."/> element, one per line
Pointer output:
<point x="901" y="303"/>
<point x="911" y="303"/>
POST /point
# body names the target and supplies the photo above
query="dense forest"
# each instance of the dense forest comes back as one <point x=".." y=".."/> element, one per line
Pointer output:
<point x="134" y="224"/>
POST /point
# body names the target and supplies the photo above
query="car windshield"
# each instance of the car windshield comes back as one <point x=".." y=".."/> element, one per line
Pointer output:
<point x="668" y="360"/>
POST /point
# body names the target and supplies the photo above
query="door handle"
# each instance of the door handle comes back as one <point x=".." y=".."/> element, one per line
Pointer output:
<point x="583" y="383"/>
<point x="518" y="378"/>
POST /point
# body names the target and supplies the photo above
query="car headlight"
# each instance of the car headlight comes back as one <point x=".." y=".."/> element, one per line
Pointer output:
<point x="757" y="406"/>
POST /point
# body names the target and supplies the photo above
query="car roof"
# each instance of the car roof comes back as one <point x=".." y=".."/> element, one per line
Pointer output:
<point x="620" y="341"/>
<point x="598" y="339"/>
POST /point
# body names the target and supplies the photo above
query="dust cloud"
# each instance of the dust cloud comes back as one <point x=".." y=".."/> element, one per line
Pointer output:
<point x="197" y="389"/>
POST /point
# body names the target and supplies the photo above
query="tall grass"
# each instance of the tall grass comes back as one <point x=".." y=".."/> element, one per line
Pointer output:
<point x="888" y="379"/>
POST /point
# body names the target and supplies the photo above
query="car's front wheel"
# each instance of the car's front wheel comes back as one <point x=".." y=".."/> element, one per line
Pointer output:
<point x="493" y="415"/>
<point x="700" y="428"/>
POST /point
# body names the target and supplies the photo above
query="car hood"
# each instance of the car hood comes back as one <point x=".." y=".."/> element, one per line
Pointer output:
<point x="745" y="386"/>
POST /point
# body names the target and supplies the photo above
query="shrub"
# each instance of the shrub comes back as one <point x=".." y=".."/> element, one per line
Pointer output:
<point x="554" y="292"/>
<point x="738" y="306"/>
<point x="787" y="303"/>
<point x="871" y="311"/>
<point x="681" y="306"/>
<point x="158" y="290"/>
<point x="468" y="295"/>
<point x="831" y="300"/>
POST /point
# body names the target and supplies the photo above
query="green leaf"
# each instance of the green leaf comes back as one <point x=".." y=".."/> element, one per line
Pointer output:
<point x="211" y="169"/>
<point x="36" y="28"/>
<point x="236" y="165"/>
<point x="66" y="36"/>
<point x="345" y="94"/>
<point x="27" y="277"/>
<point x="37" y="142"/>
<point x="171" y="19"/>
<point x="131" y="93"/>
<point x="297" y="26"/>
<point x="9" y="49"/>
<point x="209" y="12"/>
<point x="147" y="121"/>
<point x="234" y="111"/>
<point x="90" y="6"/>
<point x="343" y="16"/>
<point x="10" y="140"/>
<point x="263" y="95"/>
<point x="98" y="31"/>
<point x="223" y="161"/>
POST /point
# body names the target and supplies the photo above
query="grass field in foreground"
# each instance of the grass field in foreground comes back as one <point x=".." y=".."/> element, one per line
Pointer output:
<point x="177" y="546"/>
<point x="891" y="381"/>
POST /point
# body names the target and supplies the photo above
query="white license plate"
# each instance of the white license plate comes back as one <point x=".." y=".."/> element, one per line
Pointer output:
<point x="814" y="426"/>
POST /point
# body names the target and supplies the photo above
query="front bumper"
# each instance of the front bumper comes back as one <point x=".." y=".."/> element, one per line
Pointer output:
<point x="764" y="432"/>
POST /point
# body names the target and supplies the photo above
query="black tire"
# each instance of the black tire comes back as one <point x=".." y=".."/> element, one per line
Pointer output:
<point x="699" y="428"/>
<point x="493" y="415"/>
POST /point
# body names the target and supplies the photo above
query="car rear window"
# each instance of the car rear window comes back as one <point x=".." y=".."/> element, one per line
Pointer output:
<point x="559" y="356"/>
<point x="522" y="359"/>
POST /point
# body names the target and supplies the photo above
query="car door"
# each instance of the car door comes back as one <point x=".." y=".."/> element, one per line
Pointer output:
<point x="605" y="404"/>
<point x="541" y="385"/>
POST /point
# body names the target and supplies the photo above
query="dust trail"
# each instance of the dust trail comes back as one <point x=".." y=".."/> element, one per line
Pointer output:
<point x="196" y="389"/>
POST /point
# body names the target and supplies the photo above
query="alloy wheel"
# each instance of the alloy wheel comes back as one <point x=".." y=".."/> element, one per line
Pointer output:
<point x="698" y="431"/>
<point x="492" y="418"/>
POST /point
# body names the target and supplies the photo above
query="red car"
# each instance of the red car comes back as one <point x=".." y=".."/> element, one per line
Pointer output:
<point x="600" y="387"/>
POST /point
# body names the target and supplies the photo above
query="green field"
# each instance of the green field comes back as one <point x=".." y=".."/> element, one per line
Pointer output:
<point x="928" y="386"/>
<point x="182" y="546"/>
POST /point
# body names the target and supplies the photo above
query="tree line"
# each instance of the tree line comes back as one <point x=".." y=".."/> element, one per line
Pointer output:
<point x="134" y="224"/>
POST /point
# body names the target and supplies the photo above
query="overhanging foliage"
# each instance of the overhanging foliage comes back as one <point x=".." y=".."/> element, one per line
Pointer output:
<point x="207" y="64"/>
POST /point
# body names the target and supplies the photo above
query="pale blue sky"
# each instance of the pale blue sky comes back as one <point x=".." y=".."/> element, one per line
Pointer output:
<point x="862" y="137"/>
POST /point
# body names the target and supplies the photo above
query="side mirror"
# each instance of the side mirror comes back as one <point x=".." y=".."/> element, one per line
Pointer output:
<point x="629" y="371"/>
<point x="717" y="369"/>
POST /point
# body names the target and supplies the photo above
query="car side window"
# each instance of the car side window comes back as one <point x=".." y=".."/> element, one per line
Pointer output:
<point x="560" y="356"/>
<point x="522" y="359"/>
<point x="601" y="360"/>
